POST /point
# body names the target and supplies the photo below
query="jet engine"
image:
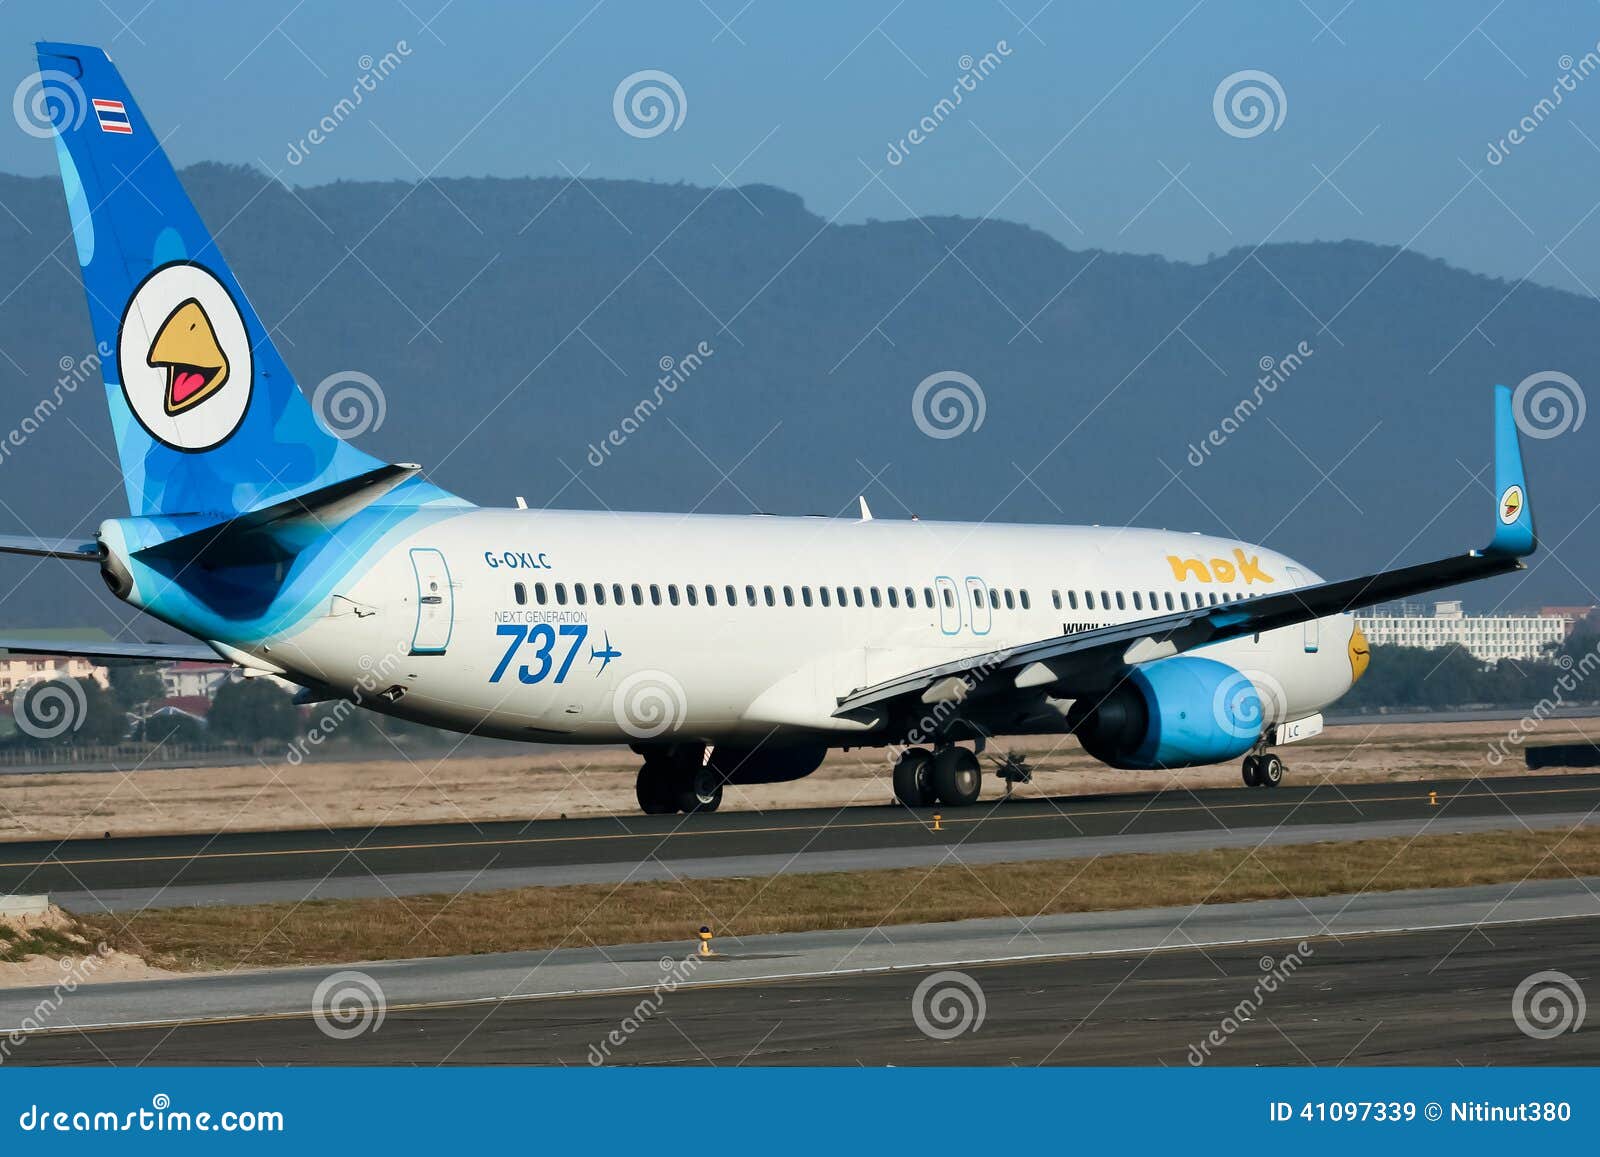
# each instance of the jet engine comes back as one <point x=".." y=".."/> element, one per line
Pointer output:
<point x="1185" y="711"/>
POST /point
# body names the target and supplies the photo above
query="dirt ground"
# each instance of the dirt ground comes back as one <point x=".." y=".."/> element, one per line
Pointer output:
<point x="546" y="784"/>
<point x="56" y="950"/>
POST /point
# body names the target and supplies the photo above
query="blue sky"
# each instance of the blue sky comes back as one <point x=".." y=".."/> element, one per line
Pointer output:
<point x="1097" y="127"/>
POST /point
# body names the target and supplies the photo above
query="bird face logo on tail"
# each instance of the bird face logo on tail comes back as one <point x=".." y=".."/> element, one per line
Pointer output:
<point x="186" y="348"/>
<point x="184" y="357"/>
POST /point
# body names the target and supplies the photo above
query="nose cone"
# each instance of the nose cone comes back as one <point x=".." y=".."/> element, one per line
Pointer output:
<point x="1360" y="654"/>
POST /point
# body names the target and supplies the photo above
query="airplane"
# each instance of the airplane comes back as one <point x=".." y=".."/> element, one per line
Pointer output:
<point x="734" y="650"/>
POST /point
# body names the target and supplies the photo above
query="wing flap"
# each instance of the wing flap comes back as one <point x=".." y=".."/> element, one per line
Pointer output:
<point x="110" y="649"/>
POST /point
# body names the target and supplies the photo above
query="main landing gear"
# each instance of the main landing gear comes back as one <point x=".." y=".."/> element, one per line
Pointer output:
<point x="949" y="775"/>
<point x="1263" y="769"/>
<point x="676" y="779"/>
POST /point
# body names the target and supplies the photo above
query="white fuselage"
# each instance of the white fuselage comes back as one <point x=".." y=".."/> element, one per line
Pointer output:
<point x="508" y="622"/>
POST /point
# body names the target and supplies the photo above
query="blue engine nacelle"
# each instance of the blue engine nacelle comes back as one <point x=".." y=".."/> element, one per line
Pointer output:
<point x="1180" y="712"/>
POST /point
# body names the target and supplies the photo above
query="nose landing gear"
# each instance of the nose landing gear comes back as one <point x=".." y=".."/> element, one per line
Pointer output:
<point x="1263" y="770"/>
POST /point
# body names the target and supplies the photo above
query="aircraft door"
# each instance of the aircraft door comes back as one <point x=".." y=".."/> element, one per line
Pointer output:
<point x="1313" y="627"/>
<point x="978" y="597"/>
<point x="435" y="602"/>
<point x="944" y="590"/>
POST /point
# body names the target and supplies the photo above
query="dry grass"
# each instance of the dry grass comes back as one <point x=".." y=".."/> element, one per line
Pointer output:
<point x="581" y="915"/>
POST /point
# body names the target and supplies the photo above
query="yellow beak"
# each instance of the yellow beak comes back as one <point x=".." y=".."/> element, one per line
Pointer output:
<point x="187" y="347"/>
<point x="1360" y="654"/>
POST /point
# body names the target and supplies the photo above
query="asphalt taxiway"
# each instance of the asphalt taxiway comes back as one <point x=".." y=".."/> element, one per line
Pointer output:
<point x="257" y="867"/>
<point x="1417" y="977"/>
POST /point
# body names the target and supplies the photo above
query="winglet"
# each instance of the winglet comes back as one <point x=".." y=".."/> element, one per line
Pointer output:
<point x="1513" y="524"/>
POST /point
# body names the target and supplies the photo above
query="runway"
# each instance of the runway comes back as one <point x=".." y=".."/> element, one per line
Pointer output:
<point x="1419" y="977"/>
<point x="258" y="867"/>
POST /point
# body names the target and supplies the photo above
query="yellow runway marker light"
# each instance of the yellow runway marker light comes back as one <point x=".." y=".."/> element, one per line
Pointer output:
<point x="1433" y="799"/>
<point x="937" y="826"/>
<point x="705" y="941"/>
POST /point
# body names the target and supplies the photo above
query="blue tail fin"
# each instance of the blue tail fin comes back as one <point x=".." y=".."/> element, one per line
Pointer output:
<point x="207" y="418"/>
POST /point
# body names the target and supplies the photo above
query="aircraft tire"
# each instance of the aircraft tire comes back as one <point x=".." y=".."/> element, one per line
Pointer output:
<point x="656" y="788"/>
<point x="957" y="776"/>
<point x="913" y="778"/>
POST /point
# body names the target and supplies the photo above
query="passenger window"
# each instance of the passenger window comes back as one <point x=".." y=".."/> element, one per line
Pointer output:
<point x="1055" y="599"/>
<point x="805" y="595"/>
<point x="749" y="595"/>
<point x="1088" y="600"/>
<point x="672" y="593"/>
<point x="1169" y="600"/>
<point x="1138" y="603"/>
<point x="638" y="595"/>
<point x="788" y="596"/>
<point x="711" y="595"/>
<point x="732" y="593"/>
<point x="949" y="599"/>
<point x="894" y="597"/>
<point x="616" y="594"/>
<point x="1023" y="595"/>
<point x="927" y="597"/>
<point x="539" y="593"/>
<point x="877" y="600"/>
<point x="599" y="594"/>
<point x="579" y="594"/>
<point x="857" y="592"/>
<point x="520" y="593"/>
<point x="822" y="594"/>
<point x="1121" y="605"/>
<point x="1072" y="599"/>
<point x="690" y="594"/>
<point x="767" y="591"/>
<point x="655" y="594"/>
<point x="911" y="598"/>
<point x="994" y="599"/>
<point x="1105" y="600"/>
<point x="561" y="594"/>
<point x="1183" y="598"/>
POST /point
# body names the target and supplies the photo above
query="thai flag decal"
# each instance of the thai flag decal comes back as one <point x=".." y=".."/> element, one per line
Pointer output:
<point x="113" y="117"/>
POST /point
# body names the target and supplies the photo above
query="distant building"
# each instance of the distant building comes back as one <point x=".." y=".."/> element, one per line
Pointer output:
<point x="1573" y="615"/>
<point x="15" y="670"/>
<point x="1487" y="637"/>
<point x="192" y="680"/>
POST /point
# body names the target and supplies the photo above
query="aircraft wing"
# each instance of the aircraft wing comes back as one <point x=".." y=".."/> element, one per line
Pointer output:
<point x="109" y="649"/>
<point x="1096" y="660"/>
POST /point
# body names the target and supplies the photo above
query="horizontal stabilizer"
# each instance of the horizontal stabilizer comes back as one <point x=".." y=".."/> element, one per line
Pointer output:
<point x="109" y="649"/>
<point x="73" y="549"/>
<point x="271" y="532"/>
